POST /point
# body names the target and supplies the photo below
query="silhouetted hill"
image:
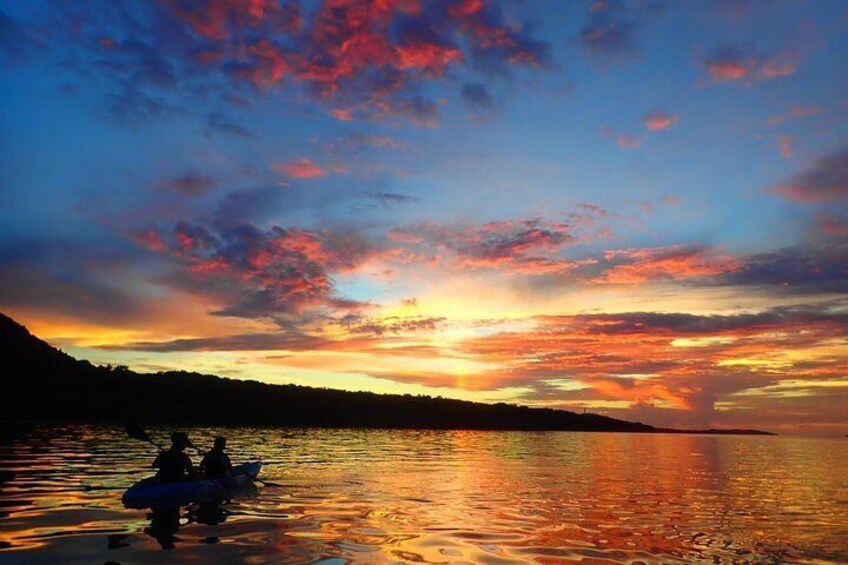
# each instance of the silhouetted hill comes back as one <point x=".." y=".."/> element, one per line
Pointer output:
<point x="42" y="383"/>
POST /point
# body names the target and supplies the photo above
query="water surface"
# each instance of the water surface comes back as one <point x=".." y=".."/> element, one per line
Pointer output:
<point x="452" y="497"/>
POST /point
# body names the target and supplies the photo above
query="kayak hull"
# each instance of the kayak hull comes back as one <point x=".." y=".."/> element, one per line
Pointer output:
<point x="149" y="493"/>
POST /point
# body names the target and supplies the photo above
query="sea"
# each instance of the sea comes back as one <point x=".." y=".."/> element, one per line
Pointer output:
<point x="344" y="496"/>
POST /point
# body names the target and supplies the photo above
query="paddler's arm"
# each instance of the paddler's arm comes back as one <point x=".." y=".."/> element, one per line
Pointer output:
<point x="189" y="468"/>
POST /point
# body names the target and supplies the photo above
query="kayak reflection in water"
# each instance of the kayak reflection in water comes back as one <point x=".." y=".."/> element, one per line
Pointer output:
<point x="216" y="463"/>
<point x="164" y="523"/>
<point x="174" y="464"/>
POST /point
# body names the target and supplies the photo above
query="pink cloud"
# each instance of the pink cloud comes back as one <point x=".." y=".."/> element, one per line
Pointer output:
<point x="301" y="169"/>
<point x="731" y="64"/>
<point x="657" y="121"/>
<point x="796" y="113"/>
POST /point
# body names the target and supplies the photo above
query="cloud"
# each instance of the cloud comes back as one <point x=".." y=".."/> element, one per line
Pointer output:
<point x="636" y="266"/>
<point x="833" y="226"/>
<point x="785" y="144"/>
<point x="672" y="361"/>
<point x="301" y="169"/>
<point x="216" y="122"/>
<point x="826" y="181"/>
<point x="371" y="140"/>
<point x="256" y="273"/>
<point x="730" y="64"/>
<point x="391" y="197"/>
<point x="608" y="36"/>
<point x="796" y="113"/>
<point x="189" y="184"/>
<point x="15" y="39"/>
<point x="629" y="141"/>
<point x="611" y="28"/>
<point x="659" y="120"/>
<point x="809" y="269"/>
<point x="150" y="239"/>
<point x="355" y="58"/>
<point x="624" y="140"/>
<point x="527" y="246"/>
<point x="478" y="98"/>
<point x="356" y="323"/>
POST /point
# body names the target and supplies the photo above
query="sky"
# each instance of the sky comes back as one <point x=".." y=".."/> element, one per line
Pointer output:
<point x="634" y="208"/>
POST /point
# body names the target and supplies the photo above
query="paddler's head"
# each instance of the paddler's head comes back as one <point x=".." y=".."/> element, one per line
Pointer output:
<point x="179" y="441"/>
<point x="220" y="442"/>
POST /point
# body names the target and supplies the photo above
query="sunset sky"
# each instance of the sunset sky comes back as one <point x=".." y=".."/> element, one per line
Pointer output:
<point x="636" y="208"/>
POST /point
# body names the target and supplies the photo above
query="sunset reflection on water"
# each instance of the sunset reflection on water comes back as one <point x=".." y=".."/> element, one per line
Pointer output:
<point x="438" y="497"/>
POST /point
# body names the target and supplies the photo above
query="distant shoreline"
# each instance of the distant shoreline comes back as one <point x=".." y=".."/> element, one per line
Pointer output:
<point x="44" y="385"/>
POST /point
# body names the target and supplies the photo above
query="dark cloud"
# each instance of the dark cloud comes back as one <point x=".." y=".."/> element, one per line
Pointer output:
<point x="190" y="184"/>
<point x="826" y="181"/>
<point x="255" y="204"/>
<point x="478" y="98"/>
<point x="683" y="324"/>
<point x="217" y="122"/>
<point x="801" y="269"/>
<point x="391" y="197"/>
<point x="74" y="279"/>
<point x="358" y="323"/>
<point x="612" y="26"/>
<point x="15" y="42"/>
<point x="240" y="342"/>
<point x="133" y="107"/>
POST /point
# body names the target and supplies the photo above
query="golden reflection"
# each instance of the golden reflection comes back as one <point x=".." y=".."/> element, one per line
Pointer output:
<point x="439" y="497"/>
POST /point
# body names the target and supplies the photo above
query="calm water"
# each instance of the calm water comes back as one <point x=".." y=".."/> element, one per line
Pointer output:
<point x="438" y="497"/>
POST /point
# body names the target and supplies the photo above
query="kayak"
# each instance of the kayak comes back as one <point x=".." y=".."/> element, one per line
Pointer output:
<point x="150" y="493"/>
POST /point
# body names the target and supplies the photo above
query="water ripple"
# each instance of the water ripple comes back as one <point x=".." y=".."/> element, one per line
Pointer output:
<point x="351" y="496"/>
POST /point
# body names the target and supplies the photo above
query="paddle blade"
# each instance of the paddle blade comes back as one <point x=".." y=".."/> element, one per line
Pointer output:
<point x="137" y="432"/>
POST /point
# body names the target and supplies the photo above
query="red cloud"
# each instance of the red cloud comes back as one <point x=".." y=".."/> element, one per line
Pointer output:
<point x="150" y="239"/>
<point x="431" y="57"/>
<point x="302" y="169"/>
<point x="366" y="58"/>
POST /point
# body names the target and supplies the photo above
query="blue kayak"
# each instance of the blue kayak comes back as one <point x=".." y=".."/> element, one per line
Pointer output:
<point x="150" y="493"/>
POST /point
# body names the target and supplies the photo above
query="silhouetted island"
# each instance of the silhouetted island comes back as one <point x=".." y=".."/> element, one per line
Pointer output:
<point x="42" y="383"/>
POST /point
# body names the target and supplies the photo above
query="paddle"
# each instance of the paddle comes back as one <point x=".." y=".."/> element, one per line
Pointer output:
<point x="137" y="432"/>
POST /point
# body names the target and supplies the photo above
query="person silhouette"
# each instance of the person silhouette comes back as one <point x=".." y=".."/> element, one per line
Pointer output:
<point x="173" y="463"/>
<point x="216" y="463"/>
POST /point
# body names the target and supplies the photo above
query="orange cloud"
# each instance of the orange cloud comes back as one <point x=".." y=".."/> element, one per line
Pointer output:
<point x="634" y="266"/>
